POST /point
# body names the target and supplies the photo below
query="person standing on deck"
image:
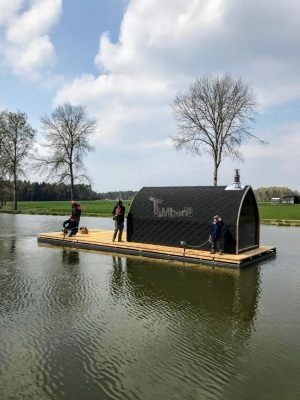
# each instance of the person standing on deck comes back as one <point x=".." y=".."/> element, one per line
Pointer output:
<point x="216" y="234"/>
<point x="118" y="216"/>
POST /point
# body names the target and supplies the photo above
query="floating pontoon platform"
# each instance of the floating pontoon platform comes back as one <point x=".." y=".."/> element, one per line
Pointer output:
<point x="100" y="240"/>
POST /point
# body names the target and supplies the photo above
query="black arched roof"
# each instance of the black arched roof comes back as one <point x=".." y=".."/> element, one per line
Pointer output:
<point x="167" y="215"/>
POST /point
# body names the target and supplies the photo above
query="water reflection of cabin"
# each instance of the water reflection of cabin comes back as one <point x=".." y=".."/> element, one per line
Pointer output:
<point x="169" y="215"/>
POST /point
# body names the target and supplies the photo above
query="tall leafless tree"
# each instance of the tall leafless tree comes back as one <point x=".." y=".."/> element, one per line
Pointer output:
<point x="68" y="131"/>
<point x="214" y="115"/>
<point x="16" y="141"/>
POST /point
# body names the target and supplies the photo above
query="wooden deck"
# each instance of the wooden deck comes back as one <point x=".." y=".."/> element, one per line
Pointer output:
<point x="101" y="240"/>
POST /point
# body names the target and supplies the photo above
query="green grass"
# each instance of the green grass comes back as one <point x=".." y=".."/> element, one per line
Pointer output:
<point x="98" y="208"/>
<point x="279" y="211"/>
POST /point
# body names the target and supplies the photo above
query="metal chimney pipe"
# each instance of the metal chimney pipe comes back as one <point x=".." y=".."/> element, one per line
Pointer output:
<point x="237" y="176"/>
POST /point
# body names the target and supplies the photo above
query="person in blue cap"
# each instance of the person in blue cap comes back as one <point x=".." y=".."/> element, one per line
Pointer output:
<point x="216" y="235"/>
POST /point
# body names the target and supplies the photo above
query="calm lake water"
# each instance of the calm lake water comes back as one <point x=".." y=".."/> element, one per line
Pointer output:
<point x="83" y="325"/>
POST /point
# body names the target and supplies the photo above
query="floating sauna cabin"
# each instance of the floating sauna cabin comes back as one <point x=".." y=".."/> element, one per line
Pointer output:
<point x="170" y="215"/>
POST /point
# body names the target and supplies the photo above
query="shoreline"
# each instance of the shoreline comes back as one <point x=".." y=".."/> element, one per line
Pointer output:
<point x="280" y="222"/>
<point x="263" y="221"/>
<point x="61" y="214"/>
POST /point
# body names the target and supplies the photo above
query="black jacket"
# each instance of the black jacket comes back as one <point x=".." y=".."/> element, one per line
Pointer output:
<point x="121" y="216"/>
<point x="70" y="224"/>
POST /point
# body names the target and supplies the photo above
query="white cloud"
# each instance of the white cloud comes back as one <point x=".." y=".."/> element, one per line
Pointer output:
<point x="34" y="22"/>
<point x="271" y="165"/>
<point x="152" y="33"/>
<point x="167" y="44"/>
<point x="164" y="45"/>
<point x="27" y="61"/>
<point x="27" y="47"/>
<point x="8" y="8"/>
<point x="284" y="145"/>
<point x="120" y="102"/>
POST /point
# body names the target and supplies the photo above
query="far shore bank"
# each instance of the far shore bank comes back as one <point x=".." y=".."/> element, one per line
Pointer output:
<point x="280" y="222"/>
<point x="263" y="221"/>
<point x="57" y="213"/>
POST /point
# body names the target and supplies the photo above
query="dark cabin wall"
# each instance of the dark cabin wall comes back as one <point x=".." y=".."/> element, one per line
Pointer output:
<point x="248" y="223"/>
<point x="169" y="215"/>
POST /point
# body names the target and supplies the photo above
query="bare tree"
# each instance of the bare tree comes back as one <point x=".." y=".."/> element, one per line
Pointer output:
<point x="214" y="115"/>
<point x="16" y="140"/>
<point x="68" y="130"/>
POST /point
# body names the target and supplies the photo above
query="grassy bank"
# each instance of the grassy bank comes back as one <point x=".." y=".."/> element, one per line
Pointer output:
<point x="98" y="208"/>
<point x="279" y="211"/>
<point x="278" y="214"/>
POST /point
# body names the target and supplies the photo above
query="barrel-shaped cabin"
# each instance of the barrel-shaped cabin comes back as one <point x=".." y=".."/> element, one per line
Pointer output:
<point x="171" y="215"/>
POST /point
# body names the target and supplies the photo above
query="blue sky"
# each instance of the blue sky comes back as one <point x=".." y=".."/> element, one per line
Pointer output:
<point x="126" y="60"/>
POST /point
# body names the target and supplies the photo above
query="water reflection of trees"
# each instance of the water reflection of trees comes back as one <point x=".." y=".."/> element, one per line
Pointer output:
<point x="195" y="317"/>
<point x="14" y="281"/>
<point x="225" y="300"/>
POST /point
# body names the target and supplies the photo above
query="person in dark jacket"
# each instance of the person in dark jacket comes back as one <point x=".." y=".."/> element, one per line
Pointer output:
<point x="118" y="216"/>
<point x="216" y="234"/>
<point x="76" y="212"/>
<point x="70" y="226"/>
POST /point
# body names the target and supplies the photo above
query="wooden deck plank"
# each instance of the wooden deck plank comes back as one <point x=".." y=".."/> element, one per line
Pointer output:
<point x="102" y="240"/>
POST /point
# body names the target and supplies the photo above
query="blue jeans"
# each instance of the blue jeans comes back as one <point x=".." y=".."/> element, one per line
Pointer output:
<point x="119" y="226"/>
<point x="216" y="244"/>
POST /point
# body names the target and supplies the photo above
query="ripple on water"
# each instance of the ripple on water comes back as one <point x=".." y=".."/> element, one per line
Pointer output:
<point x="87" y="326"/>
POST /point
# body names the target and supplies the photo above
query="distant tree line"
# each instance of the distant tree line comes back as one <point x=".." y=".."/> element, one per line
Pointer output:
<point x="267" y="193"/>
<point x="35" y="191"/>
<point x="122" y="195"/>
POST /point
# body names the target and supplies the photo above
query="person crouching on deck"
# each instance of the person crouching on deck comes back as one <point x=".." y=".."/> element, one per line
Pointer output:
<point x="70" y="226"/>
<point x="76" y="211"/>
<point x="118" y="216"/>
<point x="216" y="234"/>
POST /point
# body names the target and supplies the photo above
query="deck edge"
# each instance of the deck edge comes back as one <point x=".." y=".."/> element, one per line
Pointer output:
<point x="157" y="255"/>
